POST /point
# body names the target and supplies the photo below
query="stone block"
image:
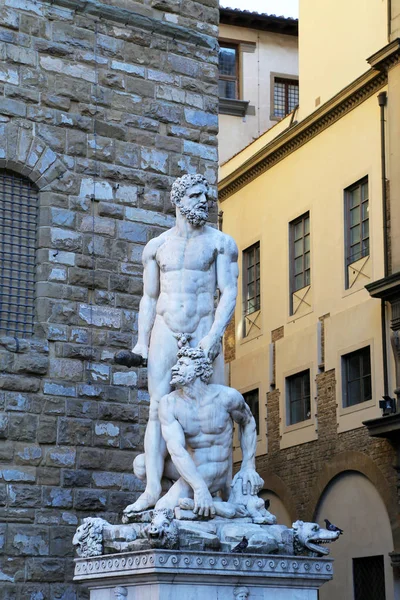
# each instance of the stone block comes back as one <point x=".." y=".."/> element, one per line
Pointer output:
<point x="24" y="496"/>
<point x="106" y="434"/>
<point x="61" y="541"/>
<point x="60" y="457"/>
<point x="100" y="316"/>
<point x="200" y="150"/>
<point x="59" y="389"/>
<point x="27" y="540"/>
<point x="47" y="430"/>
<point x="131" y="436"/>
<point x="34" y="364"/>
<point x="132" y="232"/>
<point x="90" y="500"/>
<point x="91" y="458"/>
<point x="76" y="478"/>
<point x="63" y="239"/>
<point x="163" y="112"/>
<point x="57" y="497"/>
<point x="48" y="475"/>
<point x="107" y="479"/>
<point x="135" y="70"/>
<point x="82" y="408"/>
<point x="28" y="455"/>
<point x="9" y="74"/>
<point x="74" y="432"/>
<point x="13" y="475"/>
<point x="66" y="368"/>
<point x="18" y="383"/>
<point x="23" y="427"/>
<point x="45" y="569"/>
<point x="98" y="225"/>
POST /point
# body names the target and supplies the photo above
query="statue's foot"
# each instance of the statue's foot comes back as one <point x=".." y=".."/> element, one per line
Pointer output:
<point x="186" y="503"/>
<point x="144" y="502"/>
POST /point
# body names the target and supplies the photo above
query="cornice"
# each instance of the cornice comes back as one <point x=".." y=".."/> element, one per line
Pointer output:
<point x="136" y="19"/>
<point x="192" y="563"/>
<point x="386" y="57"/>
<point x="296" y="136"/>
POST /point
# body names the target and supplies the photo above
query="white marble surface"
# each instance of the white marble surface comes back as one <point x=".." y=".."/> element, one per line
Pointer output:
<point x="169" y="575"/>
<point x="184" y="268"/>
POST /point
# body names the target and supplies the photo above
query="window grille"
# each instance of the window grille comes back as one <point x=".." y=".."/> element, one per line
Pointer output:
<point x="18" y="227"/>
<point x="251" y="279"/>
<point x="369" y="578"/>
<point x="228" y="84"/>
<point x="300" y="253"/>
<point x="251" y="398"/>
<point x="356" y="367"/>
<point x="286" y="96"/>
<point x="357" y="218"/>
<point x="299" y="398"/>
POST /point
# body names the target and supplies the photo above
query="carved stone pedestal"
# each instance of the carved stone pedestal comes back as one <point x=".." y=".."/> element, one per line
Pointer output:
<point x="178" y="575"/>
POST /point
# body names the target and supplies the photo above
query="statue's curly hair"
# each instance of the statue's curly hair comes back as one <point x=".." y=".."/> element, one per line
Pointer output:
<point x="203" y="365"/>
<point x="182" y="184"/>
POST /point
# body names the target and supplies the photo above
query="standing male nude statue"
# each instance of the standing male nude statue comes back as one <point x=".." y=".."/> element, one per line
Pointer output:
<point x="184" y="268"/>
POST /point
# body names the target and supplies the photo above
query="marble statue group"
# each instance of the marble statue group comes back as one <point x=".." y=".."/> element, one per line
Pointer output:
<point x="189" y="295"/>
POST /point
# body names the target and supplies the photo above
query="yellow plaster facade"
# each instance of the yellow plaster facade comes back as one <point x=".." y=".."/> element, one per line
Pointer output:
<point x="307" y="168"/>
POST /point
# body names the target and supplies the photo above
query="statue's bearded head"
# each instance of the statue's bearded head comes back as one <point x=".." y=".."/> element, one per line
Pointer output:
<point x="192" y="363"/>
<point x="189" y="194"/>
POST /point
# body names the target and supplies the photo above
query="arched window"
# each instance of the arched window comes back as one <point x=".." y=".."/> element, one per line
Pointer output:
<point x="18" y="233"/>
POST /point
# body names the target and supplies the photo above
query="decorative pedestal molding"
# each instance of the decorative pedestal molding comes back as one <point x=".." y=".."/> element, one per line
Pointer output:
<point x="176" y="575"/>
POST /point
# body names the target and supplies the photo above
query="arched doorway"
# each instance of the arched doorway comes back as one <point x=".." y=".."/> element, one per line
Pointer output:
<point x="362" y="567"/>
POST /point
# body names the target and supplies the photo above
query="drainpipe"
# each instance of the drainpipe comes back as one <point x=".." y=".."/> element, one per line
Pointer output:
<point x="382" y="98"/>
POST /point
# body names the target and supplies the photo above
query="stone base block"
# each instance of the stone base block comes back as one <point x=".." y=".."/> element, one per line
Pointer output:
<point x="177" y="575"/>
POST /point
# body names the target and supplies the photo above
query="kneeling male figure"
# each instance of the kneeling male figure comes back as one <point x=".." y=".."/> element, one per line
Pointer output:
<point x="197" y="426"/>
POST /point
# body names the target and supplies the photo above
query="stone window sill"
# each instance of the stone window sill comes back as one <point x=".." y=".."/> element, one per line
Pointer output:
<point x="235" y="108"/>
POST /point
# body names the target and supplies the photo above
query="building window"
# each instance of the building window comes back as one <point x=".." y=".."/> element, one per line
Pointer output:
<point x="357" y="221"/>
<point x="251" y="279"/>
<point x="369" y="578"/>
<point x="356" y="369"/>
<point x="251" y="398"/>
<point x="286" y="96"/>
<point x="18" y="226"/>
<point x="228" y="84"/>
<point x="298" y="396"/>
<point x="300" y="253"/>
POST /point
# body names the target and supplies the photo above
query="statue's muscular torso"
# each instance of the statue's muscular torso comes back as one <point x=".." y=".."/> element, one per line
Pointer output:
<point x="188" y="279"/>
<point x="208" y="428"/>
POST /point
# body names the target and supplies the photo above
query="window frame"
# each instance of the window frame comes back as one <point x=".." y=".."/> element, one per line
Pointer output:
<point x="236" y="78"/>
<point x="346" y="381"/>
<point x="24" y="209"/>
<point x="292" y="257"/>
<point x="288" y="385"/>
<point x="257" y="404"/>
<point x="349" y="256"/>
<point x="246" y="283"/>
<point x="287" y="80"/>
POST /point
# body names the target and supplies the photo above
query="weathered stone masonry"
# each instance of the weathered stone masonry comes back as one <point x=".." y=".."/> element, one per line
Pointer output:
<point x="102" y="106"/>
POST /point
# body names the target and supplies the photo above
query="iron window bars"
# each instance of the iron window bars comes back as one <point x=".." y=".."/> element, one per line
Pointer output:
<point x="299" y="398"/>
<point x="357" y="386"/>
<point x="228" y="83"/>
<point x="357" y="219"/>
<point x="251" y="279"/>
<point x="18" y="231"/>
<point x="286" y="96"/>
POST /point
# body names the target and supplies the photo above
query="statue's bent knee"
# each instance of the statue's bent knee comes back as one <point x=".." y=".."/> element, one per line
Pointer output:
<point x="139" y="467"/>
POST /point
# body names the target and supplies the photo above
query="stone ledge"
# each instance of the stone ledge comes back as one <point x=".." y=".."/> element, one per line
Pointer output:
<point x="290" y="570"/>
<point x="128" y="17"/>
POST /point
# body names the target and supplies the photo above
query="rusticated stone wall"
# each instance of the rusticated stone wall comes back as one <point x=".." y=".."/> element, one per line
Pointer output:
<point x="102" y="106"/>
